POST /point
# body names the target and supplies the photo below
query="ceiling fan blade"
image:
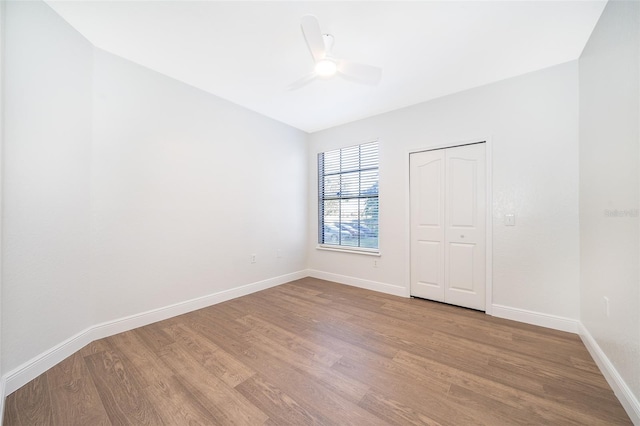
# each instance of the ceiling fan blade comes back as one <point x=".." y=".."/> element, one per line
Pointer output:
<point x="302" y="82"/>
<point x="313" y="36"/>
<point x="361" y="73"/>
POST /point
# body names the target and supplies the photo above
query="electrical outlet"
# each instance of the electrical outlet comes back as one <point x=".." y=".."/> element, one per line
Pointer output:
<point x="606" y="306"/>
<point x="253" y="258"/>
<point x="375" y="263"/>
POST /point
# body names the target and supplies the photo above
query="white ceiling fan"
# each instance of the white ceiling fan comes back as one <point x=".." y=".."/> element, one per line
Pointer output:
<point x="326" y="65"/>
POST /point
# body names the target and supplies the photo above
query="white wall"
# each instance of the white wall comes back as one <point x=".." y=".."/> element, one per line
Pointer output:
<point x="47" y="140"/>
<point x="185" y="187"/>
<point x="2" y="35"/>
<point x="532" y="123"/>
<point x="610" y="181"/>
<point x="126" y="192"/>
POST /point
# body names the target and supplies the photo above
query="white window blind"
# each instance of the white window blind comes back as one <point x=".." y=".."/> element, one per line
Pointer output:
<point x="348" y="197"/>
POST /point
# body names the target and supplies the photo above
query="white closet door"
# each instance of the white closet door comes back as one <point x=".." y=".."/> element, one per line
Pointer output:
<point x="448" y="225"/>
<point x="465" y="226"/>
<point x="427" y="182"/>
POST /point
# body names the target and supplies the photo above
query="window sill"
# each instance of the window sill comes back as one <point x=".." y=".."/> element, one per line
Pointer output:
<point x="354" y="250"/>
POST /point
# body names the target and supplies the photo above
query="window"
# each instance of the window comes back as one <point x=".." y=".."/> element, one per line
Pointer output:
<point x="348" y="197"/>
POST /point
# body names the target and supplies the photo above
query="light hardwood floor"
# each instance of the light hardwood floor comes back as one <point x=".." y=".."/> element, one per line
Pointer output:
<point x="316" y="352"/>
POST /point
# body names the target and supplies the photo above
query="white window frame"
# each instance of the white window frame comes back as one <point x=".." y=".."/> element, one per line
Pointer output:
<point x="372" y="251"/>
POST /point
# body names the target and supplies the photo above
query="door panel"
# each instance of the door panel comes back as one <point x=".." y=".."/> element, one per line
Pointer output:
<point x="461" y="267"/>
<point x="448" y="192"/>
<point x="427" y="224"/>
<point x="430" y="193"/>
<point x="428" y="271"/>
<point x="465" y="226"/>
<point x="462" y="175"/>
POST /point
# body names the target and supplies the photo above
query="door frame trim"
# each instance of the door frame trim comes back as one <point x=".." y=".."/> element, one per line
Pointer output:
<point x="488" y="213"/>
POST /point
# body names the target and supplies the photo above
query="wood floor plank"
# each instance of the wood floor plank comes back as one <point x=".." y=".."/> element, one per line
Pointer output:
<point x="517" y="361"/>
<point x="302" y="293"/>
<point x="74" y="397"/>
<point x="477" y="323"/>
<point x="288" y="320"/>
<point x="154" y="336"/>
<point x="230" y="310"/>
<point x="281" y="408"/>
<point x="94" y="348"/>
<point x="226" y="405"/>
<point x="344" y="386"/>
<point x="397" y="413"/>
<point x="390" y="379"/>
<point x="551" y="375"/>
<point x="30" y="405"/>
<point x="473" y="334"/>
<point x="356" y="335"/>
<point x="486" y="410"/>
<point x="316" y="352"/>
<point x="119" y="391"/>
<point x="213" y="359"/>
<point x="13" y="406"/>
<point x="291" y="341"/>
<point x="149" y="368"/>
<point x="539" y="410"/>
<point x="303" y="387"/>
<point x="176" y="405"/>
<point x="173" y="402"/>
<point x="314" y="311"/>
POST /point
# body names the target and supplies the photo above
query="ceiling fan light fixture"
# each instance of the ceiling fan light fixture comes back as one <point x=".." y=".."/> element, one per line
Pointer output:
<point x="325" y="64"/>
<point x="326" y="68"/>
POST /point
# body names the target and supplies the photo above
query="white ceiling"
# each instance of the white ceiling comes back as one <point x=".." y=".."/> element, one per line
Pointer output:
<point x="248" y="52"/>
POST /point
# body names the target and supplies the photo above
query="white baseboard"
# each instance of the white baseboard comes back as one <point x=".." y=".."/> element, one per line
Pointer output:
<point x="536" y="318"/>
<point x="31" y="369"/>
<point x="617" y="383"/>
<point x="395" y="290"/>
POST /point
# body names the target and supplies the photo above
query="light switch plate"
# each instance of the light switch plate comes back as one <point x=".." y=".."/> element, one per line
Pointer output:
<point x="510" y="219"/>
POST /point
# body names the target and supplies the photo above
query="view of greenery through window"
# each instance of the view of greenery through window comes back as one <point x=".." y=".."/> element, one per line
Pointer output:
<point x="348" y="196"/>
